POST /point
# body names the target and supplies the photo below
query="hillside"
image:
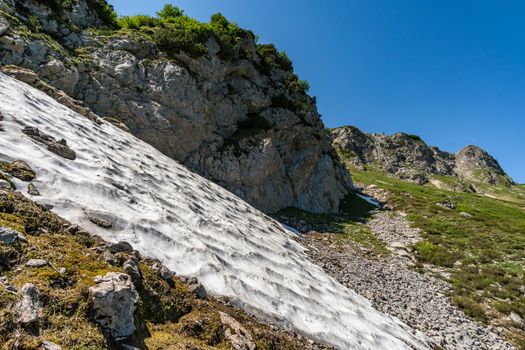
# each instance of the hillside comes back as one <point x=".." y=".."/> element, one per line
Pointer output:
<point x="408" y="157"/>
<point x="113" y="185"/>
<point x="205" y="94"/>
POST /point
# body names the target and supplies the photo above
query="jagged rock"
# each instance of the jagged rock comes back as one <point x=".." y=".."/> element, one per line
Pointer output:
<point x="408" y="157"/>
<point x="474" y="163"/>
<point x="114" y="302"/>
<point x="164" y="272"/>
<point x="239" y="337"/>
<point x="231" y="120"/>
<point x="516" y="318"/>
<point x="8" y="236"/>
<point x="447" y="205"/>
<point x="47" y="345"/>
<point x="29" y="308"/>
<point x="59" y="148"/>
<point x="36" y="263"/>
<point x="120" y="247"/>
<point x="31" y="189"/>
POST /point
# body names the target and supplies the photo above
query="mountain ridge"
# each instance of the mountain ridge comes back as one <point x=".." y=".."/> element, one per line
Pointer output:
<point x="408" y="157"/>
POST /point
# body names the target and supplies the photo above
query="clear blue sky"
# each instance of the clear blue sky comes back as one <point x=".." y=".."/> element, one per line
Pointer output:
<point x="451" y="71"/>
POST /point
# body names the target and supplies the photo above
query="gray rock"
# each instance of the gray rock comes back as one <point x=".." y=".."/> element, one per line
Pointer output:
<point x="47" y="345"/>
<point x="36" y="263"/>
<point x="408" y="157"/>
<point x="238" y="336"/>
<point x="8" y="236"/>
<point x="199" y="290"/>
<point x="59" y="148"/>
<point x="132" y="269"/>
<point x="4" y="26"/>
<point x="31" y="189"/>
<point x="120" y="247"/>
<point x="5" y="184"/>
<point x="114" y="302"/>
<point x="29" y="308"/>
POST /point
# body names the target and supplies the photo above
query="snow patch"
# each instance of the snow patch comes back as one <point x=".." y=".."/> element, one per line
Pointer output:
<point x="194" y="226"/>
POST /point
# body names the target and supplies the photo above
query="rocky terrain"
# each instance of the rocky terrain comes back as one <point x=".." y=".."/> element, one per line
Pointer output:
<point x="226" y="107"/>
<point x="62" y="288"/>
<point x="389" y="282"/>
<point x="408" y="157"/>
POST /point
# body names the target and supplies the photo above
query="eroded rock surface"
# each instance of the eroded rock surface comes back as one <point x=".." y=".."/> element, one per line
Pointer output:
<point x="408" y="157"/>
<point x="233" y="120"/>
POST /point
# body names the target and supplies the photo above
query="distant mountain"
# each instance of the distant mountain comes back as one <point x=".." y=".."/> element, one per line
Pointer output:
<point x="408" y="157"/>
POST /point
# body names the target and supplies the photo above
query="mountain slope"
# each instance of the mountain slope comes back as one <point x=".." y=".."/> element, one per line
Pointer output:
<point x="408" y="157"/>
<point x="123" y="189"/>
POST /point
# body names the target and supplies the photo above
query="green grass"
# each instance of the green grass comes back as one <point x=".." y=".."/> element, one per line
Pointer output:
<point x="347" y="226"/>
<point x="485" y="253"/>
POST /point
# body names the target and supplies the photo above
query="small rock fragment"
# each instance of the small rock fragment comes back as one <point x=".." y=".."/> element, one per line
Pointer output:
<point x="31" y="189"/>
<point x="29" y="308"/>
<point x="120" y="247"/>
<point x="100" y="222"/>
<point x="8" y="236"/>
<point x="132" y="269"/>
<point x="199" y="290"/>
<point x="47" y="345"/>
<point x="36" y="263"/>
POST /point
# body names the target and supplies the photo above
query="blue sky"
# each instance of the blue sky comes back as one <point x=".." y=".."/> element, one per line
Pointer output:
<point x="451" y="71"/>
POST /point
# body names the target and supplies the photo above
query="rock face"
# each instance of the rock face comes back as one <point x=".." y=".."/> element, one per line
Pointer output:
<point x="408" y="157"/>
<point x="233" y="120"/>
<point x="114" y="302"/>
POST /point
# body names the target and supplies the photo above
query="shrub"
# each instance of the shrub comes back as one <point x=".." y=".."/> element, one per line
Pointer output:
<point x="170" y="11"/>
<point x="138" y="21"/>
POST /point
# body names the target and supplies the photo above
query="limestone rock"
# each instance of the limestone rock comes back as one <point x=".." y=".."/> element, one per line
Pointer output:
<point x="239" y="337"/>
<point x="36" y="263"/>
<point x="408" y="157"/>
<point x="29" y="308"/>
<point x="233" y="120"/>
<point x="114" y="302"/>
<point x="120" y="247"/>
<point x="59" y="147"/>
<point x="20" y="170"/>
<point x="47" y="345"/>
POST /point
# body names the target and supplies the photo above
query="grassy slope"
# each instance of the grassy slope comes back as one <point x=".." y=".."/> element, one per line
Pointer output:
<point x="485" y="253"/>
<point x="166" y="318"/>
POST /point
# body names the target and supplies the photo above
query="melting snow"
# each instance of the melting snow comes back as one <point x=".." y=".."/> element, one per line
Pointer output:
<point x="194" y="226"/>
<point x="369" y="200"/>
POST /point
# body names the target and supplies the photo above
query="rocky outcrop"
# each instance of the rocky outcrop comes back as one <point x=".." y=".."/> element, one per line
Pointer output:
<point x="408" y="157"/>
<point x="235" y="120"/>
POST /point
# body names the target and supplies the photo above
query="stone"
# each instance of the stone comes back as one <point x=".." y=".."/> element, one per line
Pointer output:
<point x="59" y="148"/>
<point x="114" y="302"/>
<point x="132" y="269"/>
<point x="199" y="290"/>
<point x="36" y="263"/>
<point x="238" y="336"/>
<point x="21" y="170"/>
<point x="516" y="318"/>
<point x="120" y="247"/>
<point x="4" y="184"/>
<point x="165" y="273"/>
<point x="31" y="189"/>
<point x="29" y="308"/>
<point x="100" y="222"/>
<point x="9" y="236"/>
<point x="47" y="345"/>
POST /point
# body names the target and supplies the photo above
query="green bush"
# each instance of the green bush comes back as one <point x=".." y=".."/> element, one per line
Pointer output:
<point x="138" y="21"/>
<point x="170" y="11"/>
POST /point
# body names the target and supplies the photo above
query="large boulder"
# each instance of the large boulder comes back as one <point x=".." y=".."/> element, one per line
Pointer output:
<point x="474" y="163"/>
<point x="114" y="302"/>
